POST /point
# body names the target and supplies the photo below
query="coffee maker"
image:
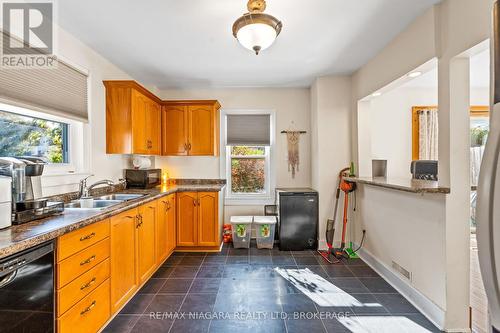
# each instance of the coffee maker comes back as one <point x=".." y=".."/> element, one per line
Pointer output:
<point x="27" y="199"/>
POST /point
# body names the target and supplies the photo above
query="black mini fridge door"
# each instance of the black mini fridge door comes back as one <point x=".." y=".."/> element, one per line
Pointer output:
<point x="298" y="215"/>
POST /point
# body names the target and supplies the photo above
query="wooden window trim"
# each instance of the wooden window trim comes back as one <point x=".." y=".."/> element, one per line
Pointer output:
<point x="475" y="111"/>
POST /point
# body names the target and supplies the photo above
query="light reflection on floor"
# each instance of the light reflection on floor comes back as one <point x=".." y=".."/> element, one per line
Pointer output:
<point x="326" y="294"/>
<point x="381" y="324"/>
<point x="319" y="290"/>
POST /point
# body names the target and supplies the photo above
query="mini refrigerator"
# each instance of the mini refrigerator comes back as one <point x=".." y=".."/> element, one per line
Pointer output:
<point x="297" y="218"/>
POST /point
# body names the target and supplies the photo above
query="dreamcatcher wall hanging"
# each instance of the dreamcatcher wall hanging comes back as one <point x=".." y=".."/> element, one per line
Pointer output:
<point x="293" y="141"/>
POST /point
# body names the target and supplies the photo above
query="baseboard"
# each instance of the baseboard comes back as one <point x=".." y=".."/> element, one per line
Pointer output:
<point x="427" y="307"/>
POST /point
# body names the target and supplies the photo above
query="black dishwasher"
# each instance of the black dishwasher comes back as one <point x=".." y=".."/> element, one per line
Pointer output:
<point x="27" y="291"/>
<point x="297" y="218"/>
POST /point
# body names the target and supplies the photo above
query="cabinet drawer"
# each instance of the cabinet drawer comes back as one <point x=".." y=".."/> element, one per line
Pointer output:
<point x="74" y="266"/>
<point x="78" y="240"/>
<point x="88" y="315"/>
<point x="81" y="286"/>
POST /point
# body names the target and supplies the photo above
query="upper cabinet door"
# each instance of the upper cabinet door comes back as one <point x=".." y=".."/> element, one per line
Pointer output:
<point x="153" y="128"/>
<point x="140" y="107"/>
<point x="201" y="139"/>
<point x="174" y="130"/>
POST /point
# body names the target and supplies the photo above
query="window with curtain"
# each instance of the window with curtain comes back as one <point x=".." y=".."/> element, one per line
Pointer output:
<point x="428" y="134"/>
<point x="248" y="149"/>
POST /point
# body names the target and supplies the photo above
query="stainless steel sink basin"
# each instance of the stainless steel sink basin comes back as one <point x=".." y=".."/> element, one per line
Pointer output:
<point x="97" y="204"/>
<point x="120" y="196"/>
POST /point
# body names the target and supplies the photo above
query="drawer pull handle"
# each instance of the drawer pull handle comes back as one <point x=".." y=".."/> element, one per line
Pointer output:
<point x="87" y="261"/>
<point x="88" y="284"/>
<point x="88" y="308"/>
<point x="89" y="236"/>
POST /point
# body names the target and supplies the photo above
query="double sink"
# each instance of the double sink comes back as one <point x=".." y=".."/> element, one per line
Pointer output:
<point x="103" y="201"/>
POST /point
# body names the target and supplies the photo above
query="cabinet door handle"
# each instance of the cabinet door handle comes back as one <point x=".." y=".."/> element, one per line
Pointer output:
<point x="89" y="236"/>
<point x="88" y="284"/>
<point x="186" y="147"/>
<point x="88" y="308"/>
<point x="194" y="202"/>
<point x="131" y="217"/>
<point x="189" y="146"/>
<point x="87" y="261"/>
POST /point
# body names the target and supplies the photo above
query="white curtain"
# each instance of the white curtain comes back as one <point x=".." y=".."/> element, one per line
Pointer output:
<point x="428" y="135"/>
<point x="476" y="155"/>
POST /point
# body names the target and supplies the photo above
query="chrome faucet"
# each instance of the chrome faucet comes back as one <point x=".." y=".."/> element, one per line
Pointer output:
<point x="84" y="190"/>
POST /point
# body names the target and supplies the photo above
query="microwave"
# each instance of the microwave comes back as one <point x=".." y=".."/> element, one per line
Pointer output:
<point x="142" y="178"/>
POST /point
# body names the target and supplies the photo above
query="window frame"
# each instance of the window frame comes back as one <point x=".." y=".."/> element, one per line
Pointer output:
<point x="64" y="133"/>
<point x="76" y="136"/>
<point x="267" y="172"/>
<point x="238" y="199"/>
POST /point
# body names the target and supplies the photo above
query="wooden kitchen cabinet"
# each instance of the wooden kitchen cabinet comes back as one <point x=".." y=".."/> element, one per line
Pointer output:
<point x="198" y="219"/>
<point x="165" y="231"/>
<point x="174" y="130"/>
<point x="146" y="243"/>
<point x="133" y="117"/>
<point x="208" y="219"/>
<point x="187" y="218"/>
<point x="123" y="257"/>
<point x="171" y="223"/>
<point x="190" y="128"/>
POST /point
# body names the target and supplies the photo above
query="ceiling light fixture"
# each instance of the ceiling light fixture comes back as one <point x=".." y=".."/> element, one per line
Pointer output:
<point x="414" y="74"/>
<point x="255" y="30"/>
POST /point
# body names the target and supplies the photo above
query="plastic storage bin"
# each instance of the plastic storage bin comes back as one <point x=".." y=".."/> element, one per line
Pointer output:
<point x="242" y="231"/>
<point x="264" y="228"/>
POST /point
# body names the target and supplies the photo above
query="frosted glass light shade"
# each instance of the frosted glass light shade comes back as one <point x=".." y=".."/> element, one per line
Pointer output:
<point x="256" y="36"/>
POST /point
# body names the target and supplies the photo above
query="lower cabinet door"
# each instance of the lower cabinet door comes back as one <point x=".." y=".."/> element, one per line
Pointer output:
<point x="208" y="219"/>
<point x="162" y="241"/>
<point x="146" y="240"/>
<point x="187" y="218"/>
<point x="88" y="315"/>
<point x="123" y="258"/>
<point x="171" y="223"/>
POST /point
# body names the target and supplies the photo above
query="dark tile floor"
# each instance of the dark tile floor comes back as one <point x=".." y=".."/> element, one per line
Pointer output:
<point x="254" y="290"/>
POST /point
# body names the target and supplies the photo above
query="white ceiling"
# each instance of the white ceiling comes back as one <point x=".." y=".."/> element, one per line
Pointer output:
<point x="188" y="43"/>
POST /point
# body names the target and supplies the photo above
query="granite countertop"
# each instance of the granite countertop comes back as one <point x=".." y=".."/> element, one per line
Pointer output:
<point x="402" y="184"/>
<point x="20" y="237"/>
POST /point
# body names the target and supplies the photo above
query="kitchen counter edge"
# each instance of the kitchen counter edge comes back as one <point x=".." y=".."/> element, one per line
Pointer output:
<point x="79" y="219"/>
<point x="401" y="184"/>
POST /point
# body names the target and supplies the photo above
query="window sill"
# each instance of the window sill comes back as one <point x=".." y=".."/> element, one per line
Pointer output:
<point x="239" y="201"/>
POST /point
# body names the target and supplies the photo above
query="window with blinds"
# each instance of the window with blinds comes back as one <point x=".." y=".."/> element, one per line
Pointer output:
<point x="248" y="140"/>
<point x="60" y="91"/>
<point x="248" y="129"/>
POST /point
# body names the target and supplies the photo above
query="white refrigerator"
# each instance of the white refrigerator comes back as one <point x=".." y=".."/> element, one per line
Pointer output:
<point x="488" y="192"/>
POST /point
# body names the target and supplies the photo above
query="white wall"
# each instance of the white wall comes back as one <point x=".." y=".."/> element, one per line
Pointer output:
<point x="98" y="162"/>
<point x="290" y="104"/>
<point x="391" y="131"/>
<point x="330" y="119"/>
<point x="445" y="31"/>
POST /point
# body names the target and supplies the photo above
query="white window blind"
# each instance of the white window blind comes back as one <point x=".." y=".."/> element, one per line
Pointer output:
<point x="60" y="91"/>
<point x="248" y="130"/>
